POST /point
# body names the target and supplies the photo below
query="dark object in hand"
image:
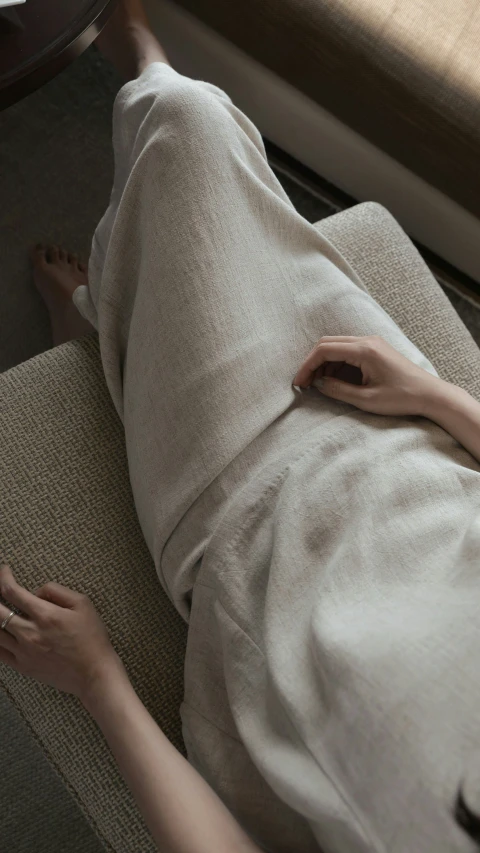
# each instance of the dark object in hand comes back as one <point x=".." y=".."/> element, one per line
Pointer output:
<point x="468" y="820"/>
<point x="339" y="370"/>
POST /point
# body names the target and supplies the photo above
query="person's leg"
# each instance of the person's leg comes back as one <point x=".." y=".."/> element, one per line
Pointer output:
<point x="207" y="288"/>
<point x="130" y="45"/>
<point x="128" y="42"/>
<point x="57" y="274"/>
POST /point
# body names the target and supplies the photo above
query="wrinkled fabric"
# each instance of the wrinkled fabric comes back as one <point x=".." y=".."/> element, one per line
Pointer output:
<point x="325" y="559"/>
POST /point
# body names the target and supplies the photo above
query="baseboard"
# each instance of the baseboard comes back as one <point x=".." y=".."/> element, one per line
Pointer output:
<point x="445" y="273"/>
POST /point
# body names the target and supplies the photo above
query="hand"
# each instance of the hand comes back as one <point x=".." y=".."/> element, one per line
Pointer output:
<point x="368" y="373"/>
<point x="59" y="639"/>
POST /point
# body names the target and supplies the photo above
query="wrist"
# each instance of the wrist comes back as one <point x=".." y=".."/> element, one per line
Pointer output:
<point x="109" y="676"/>
<point x="437" y="398"/>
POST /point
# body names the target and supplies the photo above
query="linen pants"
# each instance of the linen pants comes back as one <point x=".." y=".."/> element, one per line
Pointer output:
<point x="299" y="538"/>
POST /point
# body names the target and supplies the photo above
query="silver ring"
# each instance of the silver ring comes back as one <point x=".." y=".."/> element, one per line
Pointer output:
<point x="5" y="622"/>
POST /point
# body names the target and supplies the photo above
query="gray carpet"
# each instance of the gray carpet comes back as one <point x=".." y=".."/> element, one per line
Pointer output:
<point x="55" y="150"/>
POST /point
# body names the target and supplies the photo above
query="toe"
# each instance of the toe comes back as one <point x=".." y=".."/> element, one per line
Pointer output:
<point x="37" y="255"/>
<point x="72" y="259"/>
<point x="52" y="254"/>
<point x="62" y="254"/>
<point x="82" y="267"/>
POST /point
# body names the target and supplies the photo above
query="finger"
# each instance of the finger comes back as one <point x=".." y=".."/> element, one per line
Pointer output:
<point x="344" y="391"/>
<point x="37" y="255"/>
<point x="326" y="351"/>
<point x="58" y="594"/>
<point x="18" y="595"/>
<point x="16" y="625"/>
<point x="7" y="640"/>
<point x="8" y="658"/>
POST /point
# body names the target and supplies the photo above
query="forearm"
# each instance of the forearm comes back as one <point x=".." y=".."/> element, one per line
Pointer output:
<point x="182" y="812"/>
<point x="457" y="412"/>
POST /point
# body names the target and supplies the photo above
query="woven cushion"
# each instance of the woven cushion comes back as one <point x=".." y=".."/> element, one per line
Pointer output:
<point x="68" y="515"/>
<point x="403" y="74"/>
<point x="396" y="275"/>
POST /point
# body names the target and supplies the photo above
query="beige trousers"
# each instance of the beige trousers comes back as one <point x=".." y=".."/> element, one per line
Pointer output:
<point x="325" y="559"/>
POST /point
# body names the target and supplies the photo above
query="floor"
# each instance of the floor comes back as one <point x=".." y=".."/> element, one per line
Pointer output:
<point x="55" y="147"/>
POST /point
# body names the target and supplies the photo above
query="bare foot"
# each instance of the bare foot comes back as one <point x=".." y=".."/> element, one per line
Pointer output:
<point x="128" y="42"/>
<point x="57" y="274"/>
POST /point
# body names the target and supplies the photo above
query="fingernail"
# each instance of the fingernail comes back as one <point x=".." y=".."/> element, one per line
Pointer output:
<point x="318" y="383"/>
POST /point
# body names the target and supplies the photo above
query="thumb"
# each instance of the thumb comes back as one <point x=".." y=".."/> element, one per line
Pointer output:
<point x="338" y="389"/>
<point x="58" y="594"/>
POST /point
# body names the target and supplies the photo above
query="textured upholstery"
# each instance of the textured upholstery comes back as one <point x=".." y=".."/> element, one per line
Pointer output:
<point x="67" y="513"/>
<point x="397" y="277"/>
<point x="402" y="73"/>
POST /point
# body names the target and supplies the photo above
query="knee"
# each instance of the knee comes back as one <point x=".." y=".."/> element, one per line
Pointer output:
<point x="187" y="118"/>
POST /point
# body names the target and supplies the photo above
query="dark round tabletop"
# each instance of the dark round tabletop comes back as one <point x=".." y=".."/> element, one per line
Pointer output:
<point x="47" y="35"/>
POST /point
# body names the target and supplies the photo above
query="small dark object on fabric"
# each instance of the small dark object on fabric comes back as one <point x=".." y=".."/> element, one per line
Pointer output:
<point x="468" y="820"/>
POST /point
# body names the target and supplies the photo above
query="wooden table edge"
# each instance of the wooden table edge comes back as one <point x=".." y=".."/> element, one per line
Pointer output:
<point x="64" y="51"/>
